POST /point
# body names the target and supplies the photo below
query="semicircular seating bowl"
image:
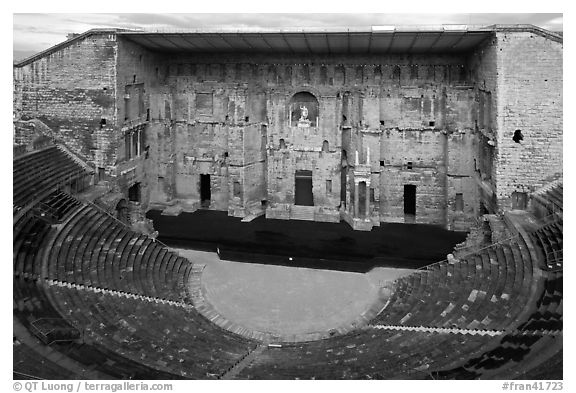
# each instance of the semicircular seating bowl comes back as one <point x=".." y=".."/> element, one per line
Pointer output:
<point x="126" y="296"/>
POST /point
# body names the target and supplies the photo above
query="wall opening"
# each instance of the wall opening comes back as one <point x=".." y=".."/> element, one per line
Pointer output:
<point x="237" y="189"/>
<point x="410" y="199"/>
<point x="325" y="147"/>
<point x="361" y="199"/>
<point x="409" y="165"/>
<point x="519" y="201"/>
<point x="346" y="107"/>
<point x="459" y="202"/>
<point x="101" y="174"/>
<point x="303" y="195"/>
<point x="134" y="193"/>
<point x="122" y="211"/>
<point x="205" y="191"/>
<point x="328" y="186"/>
<point x="282" y="144"/>
<point x="518" y="136"/>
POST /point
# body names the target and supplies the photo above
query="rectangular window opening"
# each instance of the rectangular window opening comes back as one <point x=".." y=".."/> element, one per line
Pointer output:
<point x="459" y="202"/>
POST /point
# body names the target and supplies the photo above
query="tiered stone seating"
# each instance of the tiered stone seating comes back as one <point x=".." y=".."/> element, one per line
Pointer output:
<point x="145" y="338"/>
<point x="165" y="337"/>
<point x="486" y="290"/>
<point x="32" y="304"/>
<point x="519" y="348"/>
<point x="56" y="206"/>
<point x="29" y="233"/>
<point x="548" y="201"/>
<point x="95" y="249"/>
<point x="27" y="364"/>
<point x="547" y="316"/>
<point x="41" y="171"/>
<point x="371" y="354"/>
<point x="549" y="241"/>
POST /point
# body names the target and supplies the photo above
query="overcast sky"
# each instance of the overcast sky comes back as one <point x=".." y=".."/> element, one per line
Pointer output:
<point x="36" y="32"/>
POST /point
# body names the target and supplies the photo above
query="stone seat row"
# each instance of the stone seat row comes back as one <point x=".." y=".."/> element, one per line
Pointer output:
<point x="511" y="352"/>
<point x="27" y="364"/>
<point x="484" y="290"/>
<point x="163" y="337"/>
<point x="549" y="240"/>
<point x="370" y="354"/>
<point x="94" y="249"/>
<point x="41" y="171"/>
<point x="57" y="205"/>
<point x="551" y="199"/>
<point x="547" y="315"/>
<point x="29" y="232"/>
<point x="527" y="341"/>
<point x="32" y="303"/>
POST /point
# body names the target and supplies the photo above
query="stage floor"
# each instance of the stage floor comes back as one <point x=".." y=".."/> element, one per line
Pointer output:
<point x="309" y="244"/>
<point x="288" y="301"/>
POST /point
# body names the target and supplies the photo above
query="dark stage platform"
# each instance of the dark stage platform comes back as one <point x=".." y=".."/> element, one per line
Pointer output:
<point x="305" y="243"/>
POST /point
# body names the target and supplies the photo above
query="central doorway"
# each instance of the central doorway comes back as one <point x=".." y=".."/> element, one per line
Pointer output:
<point x="205" y="193"/>
<point x="303" y="191"/>
<point x="409" y="200"/>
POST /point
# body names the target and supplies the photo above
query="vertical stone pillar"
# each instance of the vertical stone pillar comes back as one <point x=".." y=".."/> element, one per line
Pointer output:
<point x="356" y="199"/>
<point x="367" y="201"/>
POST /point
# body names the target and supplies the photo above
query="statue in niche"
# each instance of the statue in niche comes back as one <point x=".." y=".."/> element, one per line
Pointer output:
<point x="303" y="121"/>
<point x="303" y="113"/>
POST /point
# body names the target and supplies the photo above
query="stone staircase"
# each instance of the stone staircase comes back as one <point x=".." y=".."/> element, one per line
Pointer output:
<point x="245" y="362"/>
<point x="305" y="213"/>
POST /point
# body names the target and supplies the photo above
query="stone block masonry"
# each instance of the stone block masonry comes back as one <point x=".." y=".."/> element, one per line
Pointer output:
<point x="228" y="130"/>
<point x="530" y="100"/>
<point x="73" y="92"/>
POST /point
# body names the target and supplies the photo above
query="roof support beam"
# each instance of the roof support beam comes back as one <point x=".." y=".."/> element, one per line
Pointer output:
<point x="435" y="42"/>
<point x="409" y="50"/>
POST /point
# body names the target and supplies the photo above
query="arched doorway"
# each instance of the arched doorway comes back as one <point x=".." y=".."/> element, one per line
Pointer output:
<point x="122" y="211"/>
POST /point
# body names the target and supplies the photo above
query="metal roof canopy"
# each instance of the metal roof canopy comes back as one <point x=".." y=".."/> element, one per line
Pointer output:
<point x="339" y="40"/>
<point x="373" y="40"/>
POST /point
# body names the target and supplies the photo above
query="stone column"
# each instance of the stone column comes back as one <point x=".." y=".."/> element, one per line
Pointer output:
<point x="356" y="199"/>
<point x="367" y="201"/>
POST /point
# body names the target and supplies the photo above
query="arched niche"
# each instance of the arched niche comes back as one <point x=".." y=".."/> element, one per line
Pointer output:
<point x="304" y="109"/>
<point x="122" y="211"/>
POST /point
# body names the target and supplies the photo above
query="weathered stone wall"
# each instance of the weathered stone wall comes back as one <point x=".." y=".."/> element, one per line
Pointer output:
<point x="236" y="95"/>
<point x="443" y="123"/>
<point x="139" y="75"/>
<point x="530" y="100"/>
<point x="72" y="90"/>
